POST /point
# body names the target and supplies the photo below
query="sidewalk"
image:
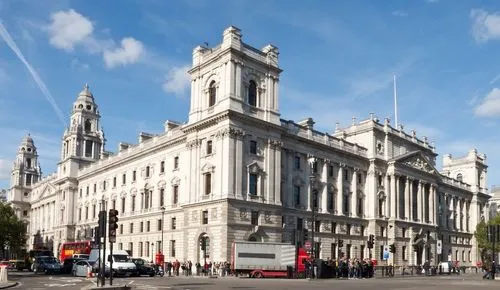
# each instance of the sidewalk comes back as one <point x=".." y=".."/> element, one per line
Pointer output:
<point x="8" y="285"/>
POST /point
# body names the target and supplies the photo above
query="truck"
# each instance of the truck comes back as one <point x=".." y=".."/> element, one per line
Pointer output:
<point x="266" y="260"/>
<point x="122" y="262"/>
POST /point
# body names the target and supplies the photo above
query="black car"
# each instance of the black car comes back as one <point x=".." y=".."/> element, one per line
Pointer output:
<point x="67" y="265"/>
<point x="46" y="264"/>
<point x="143" y="267"/>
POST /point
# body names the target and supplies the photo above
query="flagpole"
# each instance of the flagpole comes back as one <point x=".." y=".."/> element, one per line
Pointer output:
<point x="395" y="103"/>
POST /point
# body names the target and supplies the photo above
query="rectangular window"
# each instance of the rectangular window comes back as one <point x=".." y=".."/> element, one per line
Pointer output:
<point x="148" y="171"/>
<point x="381" y="253"/>
<point x="334" y="228"/>
<point x="93" y="211"/>
<point x="28" y="179"/>
<point x="160" y="224"/>
<point x="81" y="192"/>
<point x="173" y="224"/>
<point x="148" y="226"/>
<point x="123" y="204"/>
<point x="141" y="228"/>
<point x="176" y="162"/>
<point x="333" y="249"/>
<point x="172" y="248"/>
<point x="252" y="184"/>
<point x="162" y="167"/>
<point x="124" y="178"/>
<point x="134" y="175"/>
<point x="131" y="228"/>
<point x="79" y="214"/>
<point x="104" y="185"/>
<point x="204" y="217"/>
<point x="300" y="224"/>
<point x="175" y="195"/>
<point x="121" y="228"/>
<point x="162" y="197"/>
<point x="208" y="184"/>
<point x="297" y="162"/>
<point x="88" y="148"/>
<point x="209" y="147"/>
<point x="317" y="226"/>
<point x="253" y="147"/>
<point x="86" y="213"/>
<point x="88" y="189"/>
<point x="296" y="194"/>
<point x="315" y="167"/>
<point x="346" y="175"/>
<point x="140" y="249"/>
<point x="403" y="253"/>
<point x="348" y="229"/>
<point x="403" y="232"/>
<point x="120" y="246"/>
<point x="133" y="203"/>
<point x="255" y="218"/>
<point x="360" y="177"/>
<point x="131" y="248"/>
<point x="95" y="188"/>
<point x="113" y="204"/>
<point x="330" y="171"/>
<point x="114" y="181"/>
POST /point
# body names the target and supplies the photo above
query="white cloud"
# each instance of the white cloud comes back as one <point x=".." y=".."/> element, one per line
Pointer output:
<point x="5" y="167"/>
<point x="69" y="28"/>
<point x="130" y="52"/>
<point x="76" y="64"/>
<point x="490" y="106"/>
<point x="177" y="80"/>
<point x="399" y="13"/>
<point x="485" y="26"/>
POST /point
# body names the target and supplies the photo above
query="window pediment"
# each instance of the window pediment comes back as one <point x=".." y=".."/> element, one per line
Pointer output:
<point x="161" y="184"/>
<point x="298" y="181"/>
<point x="133" y="192"/>
<point x="208" y="168"/>
<point x="381" y="195"/>
<point x="254" y="168"/>
<point x="175" y="180"/>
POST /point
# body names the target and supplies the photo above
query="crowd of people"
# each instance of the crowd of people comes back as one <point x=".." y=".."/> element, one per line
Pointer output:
<point x="340" y="268"/>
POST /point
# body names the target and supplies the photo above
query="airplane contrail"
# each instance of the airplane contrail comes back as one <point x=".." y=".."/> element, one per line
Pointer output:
<point x="45" y="91"/>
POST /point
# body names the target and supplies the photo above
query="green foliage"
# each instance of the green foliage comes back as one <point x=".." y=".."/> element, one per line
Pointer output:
<point x="481" y="235"/>
<point x="12" y="229"/>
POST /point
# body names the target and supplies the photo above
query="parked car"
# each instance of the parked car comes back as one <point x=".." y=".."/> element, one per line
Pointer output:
<point x="81" y="268"/>
<point x="81" y="256"/>
<point x="47" y="265"/>
<point x="143" y="267"/>
<point x="67" y="265"/>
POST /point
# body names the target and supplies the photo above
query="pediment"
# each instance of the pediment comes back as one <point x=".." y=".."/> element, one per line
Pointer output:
<point x="207" y="168"/>
<point x="47" y="190"/>
<point x="254" y="168"/>
<point x="416" y="160"/>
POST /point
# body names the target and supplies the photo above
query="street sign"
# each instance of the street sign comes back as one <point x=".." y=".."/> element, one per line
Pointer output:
<point x="386" y="253"/>
<point x="308" y="245"/>
<point x="439" y="247"/>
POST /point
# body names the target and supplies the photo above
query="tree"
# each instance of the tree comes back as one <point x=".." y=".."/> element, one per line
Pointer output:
<point x="483" y="243"/>
<point x="12" y="229"/>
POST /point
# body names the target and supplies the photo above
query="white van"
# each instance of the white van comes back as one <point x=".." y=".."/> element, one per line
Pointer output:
<point x="122" y="262"/>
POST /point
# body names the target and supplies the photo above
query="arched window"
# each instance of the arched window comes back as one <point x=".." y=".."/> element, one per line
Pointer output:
<point x="212" y="93"/>
<point x="252" y="94"/>
<point x="460" y="177"/>
<point x="88" y="126"/>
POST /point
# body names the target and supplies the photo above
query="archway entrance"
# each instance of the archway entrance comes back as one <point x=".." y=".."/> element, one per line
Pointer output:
<point x="203" y="248"/>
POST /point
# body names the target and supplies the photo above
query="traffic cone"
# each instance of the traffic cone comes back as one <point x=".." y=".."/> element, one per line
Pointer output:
<point x="89" y="272"/>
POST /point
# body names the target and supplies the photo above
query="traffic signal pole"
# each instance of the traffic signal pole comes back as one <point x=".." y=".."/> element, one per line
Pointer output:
<point x="113" y="219"/>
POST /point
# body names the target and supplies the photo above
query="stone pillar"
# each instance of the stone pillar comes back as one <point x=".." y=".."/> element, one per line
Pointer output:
<point x="393" y="199"/>
<point x="432" y="216"/>
<point x="340" y="185"/>
<point x="354" y="194"/>
<point x="388" y="199"/>
<point x="419" y="202"/>
<point x="412" y="194"/>
<point x="398" y="188"/>
<point x="308" y="183"/>
<point x="407" y="199"/>
<point x="324" y="192"/>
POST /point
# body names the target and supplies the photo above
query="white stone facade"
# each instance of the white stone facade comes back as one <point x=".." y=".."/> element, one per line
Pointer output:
<point x="236" y="171"/>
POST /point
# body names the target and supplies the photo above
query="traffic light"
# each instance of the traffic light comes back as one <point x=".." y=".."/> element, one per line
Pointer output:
<point x="392" y="248"/>
<point x="97" y="237"/>
<point x="101" y="224"/>
<point x="341" y="243"/>
<point x="306" y="235"/>
<point x="113" y="220"/>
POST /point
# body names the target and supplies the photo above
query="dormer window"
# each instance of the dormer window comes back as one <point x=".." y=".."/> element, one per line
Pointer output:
<point x="212" y="94"/>
<point x="87" y="126"/>
<point x="252" y="94"/>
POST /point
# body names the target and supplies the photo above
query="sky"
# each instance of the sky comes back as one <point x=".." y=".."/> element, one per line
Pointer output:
<point x="338" y="57"/>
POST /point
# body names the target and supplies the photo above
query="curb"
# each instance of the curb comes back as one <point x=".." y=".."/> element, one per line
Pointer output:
<point x="9" y="285"/>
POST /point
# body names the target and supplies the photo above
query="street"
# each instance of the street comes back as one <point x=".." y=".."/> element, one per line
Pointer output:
<point x="40" y="282"/>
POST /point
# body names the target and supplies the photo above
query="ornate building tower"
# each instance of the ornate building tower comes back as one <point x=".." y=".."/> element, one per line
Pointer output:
<point x="83" y="141"/>
<point x="25" y="172"/>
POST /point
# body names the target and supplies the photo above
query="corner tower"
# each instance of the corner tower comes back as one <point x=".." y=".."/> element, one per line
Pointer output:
<point x="25" y="172"/>
<point x="83" y="142"/>
<point x="235" y="76"/>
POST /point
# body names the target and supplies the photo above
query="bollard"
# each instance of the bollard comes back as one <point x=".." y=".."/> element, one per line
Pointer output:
<point x="3" y="274"/>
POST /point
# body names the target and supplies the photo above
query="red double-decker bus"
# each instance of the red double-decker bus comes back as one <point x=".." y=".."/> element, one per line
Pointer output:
<point x="72" y="248"/>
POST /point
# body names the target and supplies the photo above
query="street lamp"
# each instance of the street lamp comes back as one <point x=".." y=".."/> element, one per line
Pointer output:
<point x="312" y="181"/>
<point x="152" y="252"/>
<point x="162" y="226"/>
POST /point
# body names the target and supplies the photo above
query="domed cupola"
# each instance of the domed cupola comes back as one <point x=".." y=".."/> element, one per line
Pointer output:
<point x="27" y="145"/>
<point x="85" y="101"/>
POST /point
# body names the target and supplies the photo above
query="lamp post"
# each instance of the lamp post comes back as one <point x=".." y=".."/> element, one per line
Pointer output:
<point x="152" y="252"/>
<point x="312" y="181"/>
<point x="162" y="226"/>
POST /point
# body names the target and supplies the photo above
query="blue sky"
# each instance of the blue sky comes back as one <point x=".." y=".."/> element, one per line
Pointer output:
<point x="338" y="59"/>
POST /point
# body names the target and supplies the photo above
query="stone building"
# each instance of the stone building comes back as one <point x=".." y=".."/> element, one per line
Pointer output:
<point x="237" y="171"/>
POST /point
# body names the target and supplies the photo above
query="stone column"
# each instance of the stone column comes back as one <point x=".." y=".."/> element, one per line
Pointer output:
<point x="407" y="199"/>
<point x="412" y="194"/>
<point x="393" y="199"/>
<point x="388" y="199"/>
<point x="324" y="192"/>
<point x="419" y="201"/>
<point x="354" y="195"/>
<point x="340" y="185"/>
<point x="432" y="193"/>
<point x="397" y="201"/>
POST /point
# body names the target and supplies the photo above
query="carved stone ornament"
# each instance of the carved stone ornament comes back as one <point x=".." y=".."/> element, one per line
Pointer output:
<point x="193" y="143"/>
<point x="420" y="164"/>
<point x="267" y="217"/>
<point x="243" y="213"/>
<point x="275" y="144"/>
<point x="230" y="132"/>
